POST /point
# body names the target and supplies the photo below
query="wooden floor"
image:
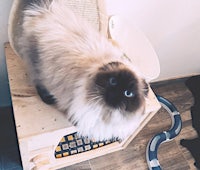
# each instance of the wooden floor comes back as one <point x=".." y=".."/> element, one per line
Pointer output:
<point x="172" y="155"/>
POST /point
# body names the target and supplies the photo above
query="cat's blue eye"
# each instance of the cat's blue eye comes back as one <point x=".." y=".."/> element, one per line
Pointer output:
<point x="128" y="93"/>
<point x="113" y="81"/>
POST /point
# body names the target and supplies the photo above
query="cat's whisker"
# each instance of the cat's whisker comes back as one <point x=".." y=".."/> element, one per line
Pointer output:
<point x="95" y="99"/>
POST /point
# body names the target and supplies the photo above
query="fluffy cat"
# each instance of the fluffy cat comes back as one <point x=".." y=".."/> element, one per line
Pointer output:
<point x="79" y="71"/>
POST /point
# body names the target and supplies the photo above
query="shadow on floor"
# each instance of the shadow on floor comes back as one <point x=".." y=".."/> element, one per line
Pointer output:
<point x="9" y="151"/>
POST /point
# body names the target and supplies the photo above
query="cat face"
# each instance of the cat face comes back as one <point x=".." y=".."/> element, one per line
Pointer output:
<point x="119" y="87"/>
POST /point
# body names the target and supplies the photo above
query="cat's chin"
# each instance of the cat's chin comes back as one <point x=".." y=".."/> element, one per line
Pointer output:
<point x="119" y="127"/>
<point x="100" y="126"/>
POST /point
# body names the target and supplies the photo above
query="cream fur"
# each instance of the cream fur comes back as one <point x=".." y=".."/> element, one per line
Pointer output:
<point x="71" y="52"/>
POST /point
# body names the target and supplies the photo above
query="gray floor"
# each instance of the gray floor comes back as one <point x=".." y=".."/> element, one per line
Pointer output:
<point x="9" y="152"/>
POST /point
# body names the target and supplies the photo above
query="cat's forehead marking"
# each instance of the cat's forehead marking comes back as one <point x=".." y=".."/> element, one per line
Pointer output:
<point x="111" y="66"/>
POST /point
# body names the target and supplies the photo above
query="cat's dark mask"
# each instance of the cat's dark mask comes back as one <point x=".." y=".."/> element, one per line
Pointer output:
<point x="120" y="88"/>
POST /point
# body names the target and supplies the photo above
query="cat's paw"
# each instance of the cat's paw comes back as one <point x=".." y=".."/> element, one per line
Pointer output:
<point x="45" y="95"/>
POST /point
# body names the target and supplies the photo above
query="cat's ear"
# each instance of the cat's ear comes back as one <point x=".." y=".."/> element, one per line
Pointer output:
<point x="114" y="43"/>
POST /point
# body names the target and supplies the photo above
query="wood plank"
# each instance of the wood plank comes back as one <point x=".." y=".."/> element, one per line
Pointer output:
<point x="81" y="166"/>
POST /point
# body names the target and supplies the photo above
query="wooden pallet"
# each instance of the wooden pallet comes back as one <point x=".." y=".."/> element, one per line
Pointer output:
<point x="40" y="127"/>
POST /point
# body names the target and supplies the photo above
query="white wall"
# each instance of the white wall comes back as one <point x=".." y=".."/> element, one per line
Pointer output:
<point x="173" y="28"/>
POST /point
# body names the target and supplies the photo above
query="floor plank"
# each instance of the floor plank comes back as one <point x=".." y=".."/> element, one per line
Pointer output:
<point x="81" y="166"/>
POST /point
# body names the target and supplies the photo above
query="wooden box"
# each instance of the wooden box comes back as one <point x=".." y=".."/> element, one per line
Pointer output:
<point x="40" y="127"/>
